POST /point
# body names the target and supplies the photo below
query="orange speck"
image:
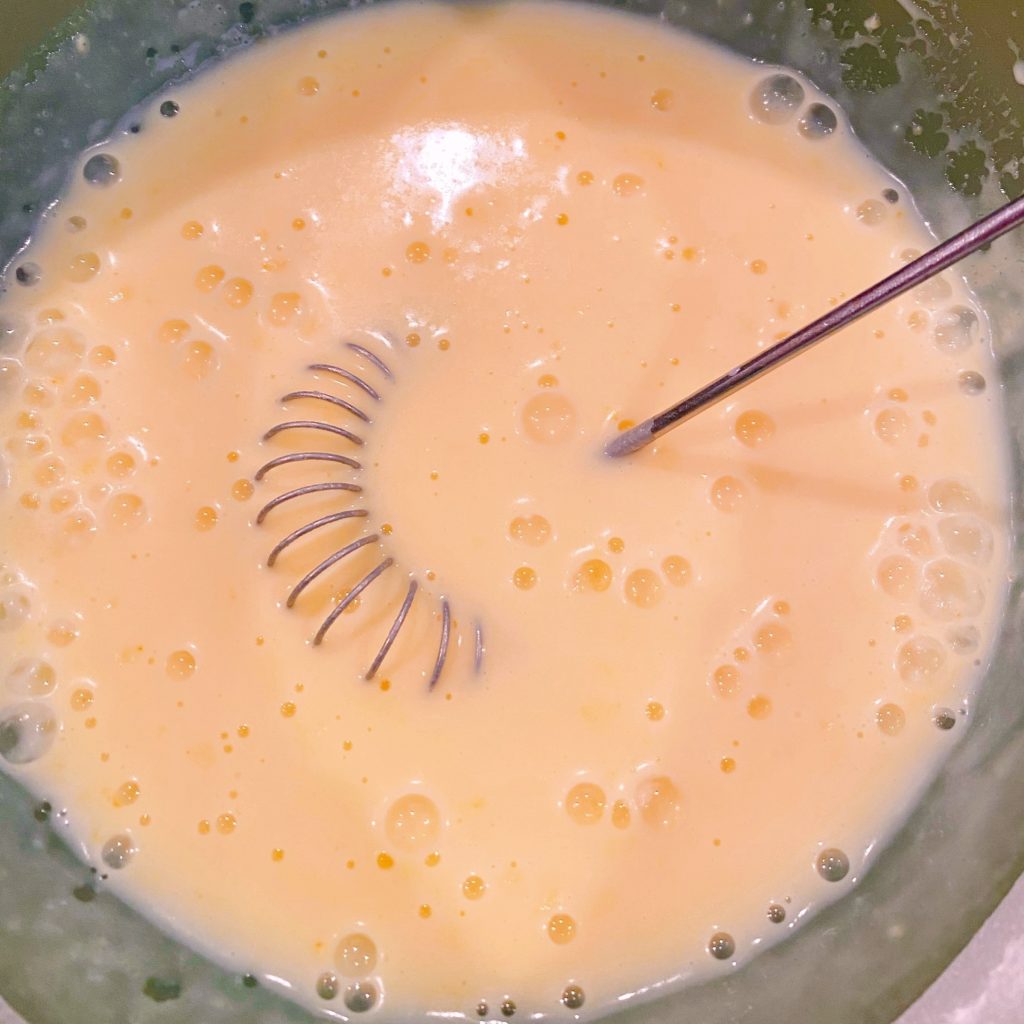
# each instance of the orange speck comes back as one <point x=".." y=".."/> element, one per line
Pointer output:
<point x="385" y="861"/>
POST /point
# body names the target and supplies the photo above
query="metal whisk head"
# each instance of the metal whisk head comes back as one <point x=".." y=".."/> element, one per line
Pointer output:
<point x="354" y="492"/>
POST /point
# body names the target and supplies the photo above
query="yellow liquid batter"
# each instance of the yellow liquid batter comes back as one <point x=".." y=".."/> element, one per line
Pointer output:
<point x="711" y="677"/>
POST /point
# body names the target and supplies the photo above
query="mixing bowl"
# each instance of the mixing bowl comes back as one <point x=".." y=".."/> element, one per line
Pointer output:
<point x="934" y="90"/>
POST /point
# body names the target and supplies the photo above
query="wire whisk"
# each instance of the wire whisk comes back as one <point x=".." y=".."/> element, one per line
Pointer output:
<point x="353" y="490"/>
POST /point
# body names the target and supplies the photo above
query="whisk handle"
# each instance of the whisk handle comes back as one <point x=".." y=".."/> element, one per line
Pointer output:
<point x="933" y="262"/>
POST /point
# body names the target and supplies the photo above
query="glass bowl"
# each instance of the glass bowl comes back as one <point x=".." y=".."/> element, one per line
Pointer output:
<point x="932" y="91"/>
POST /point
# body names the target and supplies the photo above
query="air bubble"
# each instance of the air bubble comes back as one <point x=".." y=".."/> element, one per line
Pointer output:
<point x="28" y="274"/>
<point x="120" y="465"/>
<point x="727" y="494"/>
<point x="949" y="592"/>
<point x="776" y="913"/>
<point x="127" y="793"/>
<point x="238" y="292"/>
<point x="83" y="390"/>
<point x="833" y="865"/>
<point x="967" y="539"/>
<point x="62" y="633"/>
<point x="944" y="719"/>
<point x="473" y="887"/>
<point x="892" y="425"/>
<point x="54" y="351"/>
<point x="722" y="946"/>
<point x="208" y="277"/>
<point x="561" y="929"/>
<point x="772" y="639"/>
<point x="181" y="664"/>
<point x="327" y="985"/>
<point x="659" y="801"/>
<point x="627" y="184"/>
<point x="970" y="382"/>
<point x="776" y="100"/>
<point x="725" y="680"/>
<point x="169" y="109"/>
<point x="920" y="659"/>
<point x="956" y="329"/>
<point x="362" y="996"/>
<point x="32" y="677"/>
<point x="83" y="267"/>
<point x="532" y="530"/>
<point x="891" y="719"/>
<point x="27" y="732"/>
<point x="754" y="428"/>
<point x="15" y="608"/>
<point x="819" y="122"/>
<point x="677" y="570"/>
<point x="573" y="997"/>
<point x="84" y="429"/>
<point x="549" y="418"/>
<point x="356" y="955"/>
<point x="508" y="1008"/>
<point x="117" y="852"/>
<point x="949" y="496"/>
<point x="593" y="574"/>
<point x="200" y="359"/>
<point x="585" y="803"/>
<point x="524" y="578"/>
<point x="897" y="576"/>
<point x="662" y="99"/>
<point x="417" y="252"/>
<point x="413" y="821"/>
<point x="126" y="510"/>
<point x="620" y="814"/>
<point x="871" y="213"/>
<point x="643" y="588"/>
<point x="963" y="639"/>
<point x="915" y="540"/>
<point x="102" y="169"/>
<point x="10" y="377"/>
<point x="933" y="293"/>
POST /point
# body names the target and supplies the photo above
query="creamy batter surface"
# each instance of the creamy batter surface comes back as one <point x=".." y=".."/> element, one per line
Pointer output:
<point x="683" y="696"/>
